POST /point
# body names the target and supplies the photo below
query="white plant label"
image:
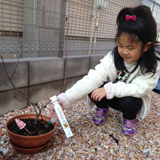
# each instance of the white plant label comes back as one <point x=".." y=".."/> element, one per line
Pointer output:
<point x="61" y="117"/>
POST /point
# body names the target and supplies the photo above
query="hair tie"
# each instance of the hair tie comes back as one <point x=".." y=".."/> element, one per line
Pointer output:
<point x="128" y="17"/>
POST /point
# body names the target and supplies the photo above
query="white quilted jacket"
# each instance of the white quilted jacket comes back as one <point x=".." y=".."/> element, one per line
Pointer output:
<point x="137" y="85"/>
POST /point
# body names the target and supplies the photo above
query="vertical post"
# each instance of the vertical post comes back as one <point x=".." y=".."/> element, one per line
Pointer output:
<point x="30" y="29"/>
<point x="62" y="28"/>
<point x="92" y="26"/>
<point x="95" y="31"/>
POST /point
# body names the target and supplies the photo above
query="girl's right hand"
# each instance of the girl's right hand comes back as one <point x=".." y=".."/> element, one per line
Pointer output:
<point x="53" y="112"/>
<point x="61" y="105"/>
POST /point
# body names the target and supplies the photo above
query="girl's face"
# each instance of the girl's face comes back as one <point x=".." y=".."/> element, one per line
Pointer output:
<point x="129" y="50"/>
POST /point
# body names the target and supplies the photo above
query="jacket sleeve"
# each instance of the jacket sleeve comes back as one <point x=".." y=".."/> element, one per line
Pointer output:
<point x="90" y="82"/>
<point x="139" y="87"/>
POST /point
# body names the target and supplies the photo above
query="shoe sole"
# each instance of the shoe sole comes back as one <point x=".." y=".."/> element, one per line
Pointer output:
<point x="128" y="134"/>
<point x="99" y="124"/>
<point x="104" y="120"/>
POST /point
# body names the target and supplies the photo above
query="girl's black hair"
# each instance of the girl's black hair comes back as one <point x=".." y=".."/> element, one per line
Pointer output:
<point x="145" y="29"/>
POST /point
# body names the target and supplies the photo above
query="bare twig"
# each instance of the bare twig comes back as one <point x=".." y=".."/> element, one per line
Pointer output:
<point x="37" y="108"/>
<point x="40" y="110"/>
<point x="15" y="68"/>
<point x="15" y="96"/>
<point x="65" y="62"/>
<point x="28" y="100"/>
<point x="15" y="86"/>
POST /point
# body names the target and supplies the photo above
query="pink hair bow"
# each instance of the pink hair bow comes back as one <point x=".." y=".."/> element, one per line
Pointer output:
<point x="128" y="17"/>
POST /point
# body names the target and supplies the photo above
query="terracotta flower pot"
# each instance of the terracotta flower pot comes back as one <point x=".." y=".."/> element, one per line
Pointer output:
<point x="26" y="150"/>
<point x="29" y="141"/>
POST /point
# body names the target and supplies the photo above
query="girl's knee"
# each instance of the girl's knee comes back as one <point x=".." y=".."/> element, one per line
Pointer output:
<point x="130" y="102"/>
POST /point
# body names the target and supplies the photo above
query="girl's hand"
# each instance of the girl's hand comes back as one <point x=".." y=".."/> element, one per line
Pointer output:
<point x="98" y="94"/>
<point x="53" y="112"/>
<point x="61" y="105"/>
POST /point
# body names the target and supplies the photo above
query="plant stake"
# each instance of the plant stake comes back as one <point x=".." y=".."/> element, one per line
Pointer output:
<point x="21" y="125"/>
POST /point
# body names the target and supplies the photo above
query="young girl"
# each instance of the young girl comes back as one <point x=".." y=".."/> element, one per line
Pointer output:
<point x="125" y="75"/>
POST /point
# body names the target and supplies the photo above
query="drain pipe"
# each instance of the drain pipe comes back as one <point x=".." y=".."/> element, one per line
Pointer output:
<point x="92" y="26"/>
<point x="95" y="33"/>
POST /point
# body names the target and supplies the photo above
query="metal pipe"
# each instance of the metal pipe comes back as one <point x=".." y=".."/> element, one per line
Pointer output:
<point x="92" y="26"/>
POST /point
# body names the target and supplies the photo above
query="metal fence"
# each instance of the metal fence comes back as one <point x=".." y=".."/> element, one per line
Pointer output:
<point x="32" y="28"/>
<point x="44" y="28"/>
<point x="92" y="24"/>
<point x="155" y="7"/>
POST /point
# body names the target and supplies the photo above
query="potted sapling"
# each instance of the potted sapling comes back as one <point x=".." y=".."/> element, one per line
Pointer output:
<point x="28" y="133"/>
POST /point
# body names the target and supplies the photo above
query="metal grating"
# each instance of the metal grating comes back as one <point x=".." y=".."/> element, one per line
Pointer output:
<point x="155" y="7"/>
<point x="11" y="16"/>
<point x="32" y="28"/>
<point x="44" y="28"/>
<point x="92" y="24"/>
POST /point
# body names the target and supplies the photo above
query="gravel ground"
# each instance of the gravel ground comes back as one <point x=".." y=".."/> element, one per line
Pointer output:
<point x="92" y="142"/>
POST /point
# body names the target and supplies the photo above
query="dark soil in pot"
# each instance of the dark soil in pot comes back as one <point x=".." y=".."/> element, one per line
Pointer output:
<point x="34" y="129"/>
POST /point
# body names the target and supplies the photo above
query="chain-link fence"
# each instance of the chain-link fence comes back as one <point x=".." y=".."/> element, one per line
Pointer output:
<point x="44" y="28"/>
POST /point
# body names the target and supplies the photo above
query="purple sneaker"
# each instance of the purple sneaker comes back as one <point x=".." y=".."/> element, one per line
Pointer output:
<point x="98" y="119"/>
<point x="129" y="127"/>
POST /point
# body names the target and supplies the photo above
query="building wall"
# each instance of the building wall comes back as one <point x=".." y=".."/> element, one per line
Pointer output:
<point x="40" y="78"/>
